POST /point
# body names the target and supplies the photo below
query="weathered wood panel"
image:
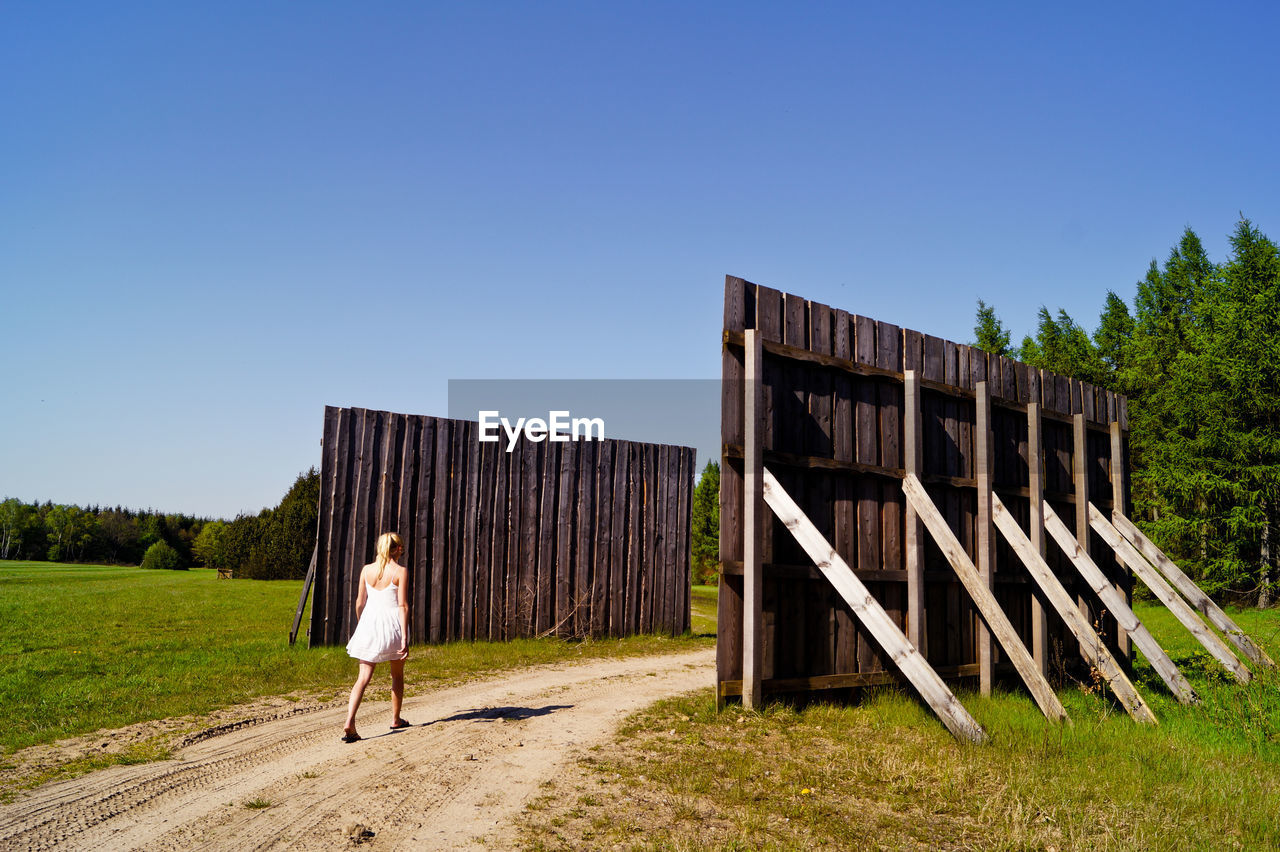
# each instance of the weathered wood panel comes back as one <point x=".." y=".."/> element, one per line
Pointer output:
<point x="832" y="430"/>
<point x="572" y="539"/>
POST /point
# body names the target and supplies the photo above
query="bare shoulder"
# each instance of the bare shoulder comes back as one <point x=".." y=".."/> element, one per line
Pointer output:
<point x="366" y="573"/>
<point x="402" y="575"/>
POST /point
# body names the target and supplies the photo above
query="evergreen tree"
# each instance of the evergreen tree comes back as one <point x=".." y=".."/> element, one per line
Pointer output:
<point x="706" y="525"/>
<point x="990" y="332"/>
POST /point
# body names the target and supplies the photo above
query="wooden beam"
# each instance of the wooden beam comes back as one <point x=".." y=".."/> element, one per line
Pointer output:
<point x="1080" y="480"/>
<point x="984" y="600"/>
<point x="1119" y="492"/>
<point x="776" y="459"/>
<point x="1162" y="590"/>
<point x="752" y="519"/>
<point x="840" y="681"/>
<point x="904" y="655"/>
<point x="1114" y="600"/>
<point x="1035" y="488"/>
<point x="913" y="458"/>
<point x="1202" y="602"/>
<point x="986" y="553"/>
<point x="1092" y="648"/>
<point x="302" y="599"/>
<point x="797" y="354"/>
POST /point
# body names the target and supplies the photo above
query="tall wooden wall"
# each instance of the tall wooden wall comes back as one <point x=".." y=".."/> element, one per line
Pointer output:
<point x="572" y="539"/>
<point x="833" y="436"/>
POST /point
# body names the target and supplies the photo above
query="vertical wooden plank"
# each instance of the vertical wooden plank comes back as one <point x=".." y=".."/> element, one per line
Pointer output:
<point x="531" y="471"/>
<point x="1080" y="479"/>
<point x="867" y="491"/>
<point x="674" y="594"/>
<point x="470" y="448"/>
<point x="753" y="497"/>
<point x="635" y="565"/>
<point x="329" y="477"/>
<point x="729" y="604"/>
<point x="569" y="463"/>
<point x="420" y="588"/>
<point x="365" y="490"/>
<point x="651" y="524"/>
<point x="618" y="545"/>
<point x="912" y="444"/>
<point x="458" y="472"/>
<point x="547" y="522"/>
<point x="986" y="548"/>
<point x="603" y="545"/>
<point x="515" y="523"/>
<point x="497" y="536"/>
<point x="585" y="528"/>
<point x="1119" y="504"/>
<point x="665" y="622"/>
<point x="688" y="462"/>
<point x="889" y="357"/>
<point x="844" y="507"/>
<point x="1035" y="488"/>
<point x="439" y="528"/>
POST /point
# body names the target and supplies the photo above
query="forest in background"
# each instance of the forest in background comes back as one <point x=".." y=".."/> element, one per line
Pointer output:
<point x="274" y="544"/>
<point x="1198" y="356"/>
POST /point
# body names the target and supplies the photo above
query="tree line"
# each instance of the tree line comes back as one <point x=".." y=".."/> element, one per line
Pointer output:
<point x="274" y="544"/>
<point x="1198" y="356"/>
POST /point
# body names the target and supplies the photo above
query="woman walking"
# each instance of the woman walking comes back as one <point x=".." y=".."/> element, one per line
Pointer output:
<point x="382" y="629"/>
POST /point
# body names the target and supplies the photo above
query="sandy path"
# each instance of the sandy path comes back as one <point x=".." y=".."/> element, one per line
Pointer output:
<point x="475" y="755"/>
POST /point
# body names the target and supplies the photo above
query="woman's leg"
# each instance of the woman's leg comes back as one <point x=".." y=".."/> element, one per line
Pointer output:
<point x="357" y="694"/>
<point x="397" y="689"/>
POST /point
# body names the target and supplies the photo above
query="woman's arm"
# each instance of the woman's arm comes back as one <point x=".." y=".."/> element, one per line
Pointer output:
<point x="402" y="592"/>
<point x="361" y="596"/>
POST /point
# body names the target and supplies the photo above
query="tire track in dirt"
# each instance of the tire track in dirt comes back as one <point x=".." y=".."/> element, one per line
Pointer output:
<point x="475" y="755"/>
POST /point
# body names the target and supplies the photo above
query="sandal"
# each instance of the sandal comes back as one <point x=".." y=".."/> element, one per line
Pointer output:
<point x="401" y="724"/>
<point x="350" y="737"/>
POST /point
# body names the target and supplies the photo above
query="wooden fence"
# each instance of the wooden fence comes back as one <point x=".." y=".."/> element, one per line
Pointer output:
<point x="573" y="539"/>
<point x="832" y="430"/>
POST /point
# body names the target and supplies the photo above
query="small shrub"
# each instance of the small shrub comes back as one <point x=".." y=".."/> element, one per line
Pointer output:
<point x="161" y="555"/>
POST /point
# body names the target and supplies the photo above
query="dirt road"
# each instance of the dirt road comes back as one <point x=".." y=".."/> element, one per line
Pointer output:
<point x="475" y="755"/>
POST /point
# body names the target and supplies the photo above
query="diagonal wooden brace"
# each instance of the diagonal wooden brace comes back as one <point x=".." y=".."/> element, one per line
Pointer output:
<point x="1193" y="593"/>
<point x="1162" y="590"/>
<point x="983" y="599"/>
<point x="878" y="623"/>
<point x="1094" y="651"/>
<point x="1113" y="599"/>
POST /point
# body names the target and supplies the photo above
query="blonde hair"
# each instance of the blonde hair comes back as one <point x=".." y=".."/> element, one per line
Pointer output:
<point x="386" y="542"/>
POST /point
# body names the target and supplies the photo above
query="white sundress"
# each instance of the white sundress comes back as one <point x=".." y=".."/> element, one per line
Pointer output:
<point x="378" y="637"/>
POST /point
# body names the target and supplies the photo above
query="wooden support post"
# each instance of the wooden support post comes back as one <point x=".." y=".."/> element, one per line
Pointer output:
<point x="1035" y="471"/>
<point x="913" y="458"/>
<point x="1091" y="646"/>
<point x="1162" y="590"/>
<point x="1113" y="599"/>
<point x="1119" y="493"/>
<point x="752" y="519"/>
<point x="905" y="655"/>
<point x="1080" y="479"/>
<point x="983" y="599"/>
<point x="1202" y="602"/>
<point x="982" y="464"/>
<point x="302" y="599"/>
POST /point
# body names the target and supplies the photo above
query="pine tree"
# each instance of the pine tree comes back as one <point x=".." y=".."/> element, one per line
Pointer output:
<point x="990" y="331"/>
<point x="706" y="525"/>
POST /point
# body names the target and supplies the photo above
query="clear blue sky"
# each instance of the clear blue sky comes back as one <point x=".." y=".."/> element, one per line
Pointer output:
<point x="217" y="218"/>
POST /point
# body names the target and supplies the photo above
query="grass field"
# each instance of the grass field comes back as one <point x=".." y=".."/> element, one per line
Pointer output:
<point x="89" y="647"/>
<point x="886" y="774"/>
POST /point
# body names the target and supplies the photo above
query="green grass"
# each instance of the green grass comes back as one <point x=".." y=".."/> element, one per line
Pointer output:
<point x="703" y="604"/>
<point x="886" y="774"/>
<point x="90" y="647"/>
